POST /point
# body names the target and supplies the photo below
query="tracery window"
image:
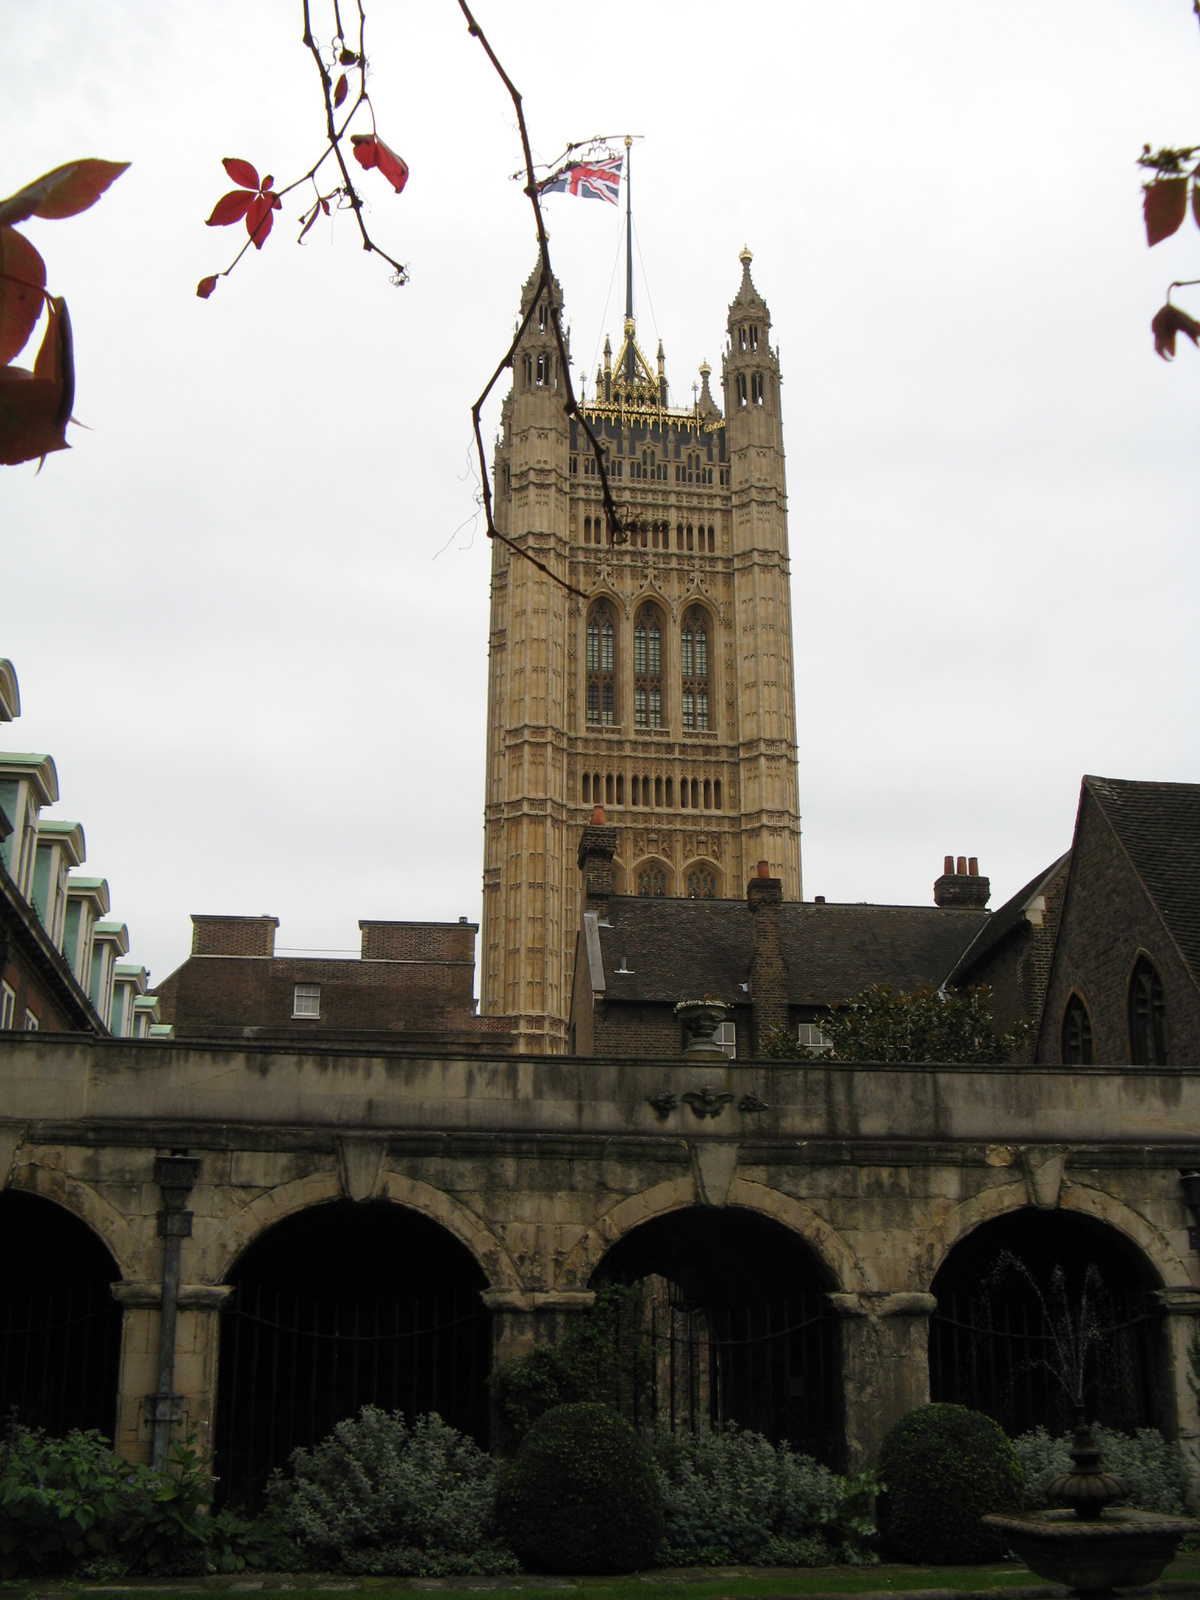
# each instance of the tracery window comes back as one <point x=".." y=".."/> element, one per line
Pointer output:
<point x="701" y="885"/>
<point x="1147" y="1016"/>
<point x="1076" y="1034"/>
<point x="693" y="663"/>
<point x="647" y="669"/>
<point x="601" y="671"/>
<point x="652" y="881"/>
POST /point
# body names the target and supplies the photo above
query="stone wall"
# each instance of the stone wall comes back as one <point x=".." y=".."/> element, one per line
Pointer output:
<point x="538" y="1165"/>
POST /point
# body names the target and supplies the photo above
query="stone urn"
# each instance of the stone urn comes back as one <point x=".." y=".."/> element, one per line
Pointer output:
<point x="701" y="1019"/>
<point x="1089" y="1542"/>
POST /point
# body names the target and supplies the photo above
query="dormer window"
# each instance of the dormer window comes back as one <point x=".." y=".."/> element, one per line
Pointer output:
<point x="306" y="1000"/>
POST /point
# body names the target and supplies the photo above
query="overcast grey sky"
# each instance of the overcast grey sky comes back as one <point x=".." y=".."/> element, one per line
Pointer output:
<point x="264" y="686"/>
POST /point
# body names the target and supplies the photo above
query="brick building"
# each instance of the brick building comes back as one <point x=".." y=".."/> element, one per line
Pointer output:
<point x="1124" y="976"/>
<point x="772" y="962"/>
<point x="413" y="987"/>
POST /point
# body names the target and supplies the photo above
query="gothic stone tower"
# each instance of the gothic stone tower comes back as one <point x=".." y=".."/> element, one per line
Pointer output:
<point x="668" y="696"/>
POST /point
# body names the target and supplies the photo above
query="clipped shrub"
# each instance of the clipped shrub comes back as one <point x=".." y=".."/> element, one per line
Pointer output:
<point x="732" y="1496"/>
<point x="72" y="1505"/>
<point x="377" y="1496"/>
<point x="581" y="1494"/>
<point x="603" y="1356"/>
<point x="1155" y="1468"/>
<point x="942" y="1468"/>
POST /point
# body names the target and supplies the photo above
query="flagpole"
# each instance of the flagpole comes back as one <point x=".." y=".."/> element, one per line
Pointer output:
<point x="630" y="365"/>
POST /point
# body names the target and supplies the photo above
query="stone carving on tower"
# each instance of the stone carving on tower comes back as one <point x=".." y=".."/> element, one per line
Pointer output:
<point x="668" y="696"/>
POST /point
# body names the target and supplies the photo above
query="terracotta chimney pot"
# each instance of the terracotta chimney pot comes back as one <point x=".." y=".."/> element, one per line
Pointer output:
<point x="948" y="869"/>
<point x="597" y="816"/>
<point x="764" y="869"/>
<point x="962" y="866"/>
<point x="973" y="866"/>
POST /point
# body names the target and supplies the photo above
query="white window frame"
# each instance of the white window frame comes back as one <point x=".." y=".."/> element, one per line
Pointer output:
<point x="726" y="1037"/>
<point x="307" y="992"/>
<point x="812" y="1038"/>
<point x="8" y="1005"/>
<point x="31" y="1021"/>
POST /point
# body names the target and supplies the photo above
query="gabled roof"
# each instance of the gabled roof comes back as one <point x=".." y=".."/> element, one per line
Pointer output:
<point x="1158" y="827"/>
<point x="676" y="949"/>
<point x="1012" y="914"/>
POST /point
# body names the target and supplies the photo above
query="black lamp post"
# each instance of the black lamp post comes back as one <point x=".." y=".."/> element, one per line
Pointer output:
<point x="1190" y="1183"/>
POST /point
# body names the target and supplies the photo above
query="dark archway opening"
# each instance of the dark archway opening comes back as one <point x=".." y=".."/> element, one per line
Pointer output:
<point x="340" y="1307"/>
<point x="735" y="1311"/>
<point x="991" y="1344"/>
<point x="60" y="1328"/>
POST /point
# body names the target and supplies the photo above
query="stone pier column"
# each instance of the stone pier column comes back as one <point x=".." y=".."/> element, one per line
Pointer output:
<point x="525" y="1318"/>
<point x="885" y="1364"/>
<point x="197" y="1348"/>
<point x="1181" y="1321"/>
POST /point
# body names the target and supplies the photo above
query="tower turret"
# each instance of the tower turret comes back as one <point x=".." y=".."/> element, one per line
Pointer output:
<point x="767" y="696"/>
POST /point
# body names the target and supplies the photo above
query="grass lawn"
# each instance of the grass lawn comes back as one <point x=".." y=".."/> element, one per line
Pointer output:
<point x="720" y="1583"/>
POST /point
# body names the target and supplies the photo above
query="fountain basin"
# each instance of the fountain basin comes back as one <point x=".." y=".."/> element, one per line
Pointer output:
<point x="1119" y="1549"/>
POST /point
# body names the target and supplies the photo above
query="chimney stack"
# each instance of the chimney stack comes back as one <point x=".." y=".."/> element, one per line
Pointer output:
<point x="768" y="969"/>
<point x="961" y="885"/>
<point x="597" y="847"/>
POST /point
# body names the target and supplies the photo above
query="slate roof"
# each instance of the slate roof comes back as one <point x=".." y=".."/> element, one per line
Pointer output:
<point x="1002" y="921"/>
<point x="1158" y="825"/>
<point x="685" y="949"/>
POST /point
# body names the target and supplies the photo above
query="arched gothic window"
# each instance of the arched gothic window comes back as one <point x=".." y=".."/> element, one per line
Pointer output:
<point x="647" y="668"/>
<point x="652" y="881"/>
<point x="693" y="663"/>
<point x="601" y="671"/>
<point x="701" y="885"/>
<point x="1076" y="1034"/>
<point x="1147" y="1016"/>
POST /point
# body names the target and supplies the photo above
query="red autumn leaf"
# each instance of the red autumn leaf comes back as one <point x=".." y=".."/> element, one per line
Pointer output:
<point x="63" y="192"/>
<point x="259" y="217"/>
<point x="241" y="172"/>
<point x="341" y="89"/>
<point x="347" y="57"/>
<point x="1164" y="206"/>
<point x="370" y="151"/>
<point x="205" y="287"/>
<point x="231" y="207"/>
<point x="35" y="406"/>
<point x="1169" y="321"/>
<point x="22" y="280"/>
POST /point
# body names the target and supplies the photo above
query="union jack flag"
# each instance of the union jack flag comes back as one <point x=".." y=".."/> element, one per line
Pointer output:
<point x="589" y="180"/>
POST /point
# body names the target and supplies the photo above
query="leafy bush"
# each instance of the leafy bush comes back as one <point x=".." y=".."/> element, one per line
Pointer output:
<point x="72" y="1505"/>
<point x="929" y="1025"/>
<point x="379" y="1497"/>
<point x="581" y="1494"/>
<point x="735" y="1497"/>
<point x="943" y="1467"/>
<point x="603" y="1356"/>
<point x="1155" y="1468"/>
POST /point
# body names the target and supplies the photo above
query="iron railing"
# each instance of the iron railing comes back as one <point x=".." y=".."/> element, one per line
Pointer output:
<point x="59" y="1355"/>
<point x="291" y="1367"/>
<point x="999" y="1358"/>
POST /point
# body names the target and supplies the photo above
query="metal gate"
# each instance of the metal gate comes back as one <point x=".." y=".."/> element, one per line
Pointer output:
<point x="291" y="1367"/>
<point x="998" y="1358"/>
<point x="59" y="1355"/>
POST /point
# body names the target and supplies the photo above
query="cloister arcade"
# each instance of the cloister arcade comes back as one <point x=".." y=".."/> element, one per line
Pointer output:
<point x="821" y="1248"/>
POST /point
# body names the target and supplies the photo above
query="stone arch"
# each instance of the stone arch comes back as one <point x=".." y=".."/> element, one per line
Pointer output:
<point x="318" y="1188"/>
<point x="1162" y="1260"/>
<point x="832" y="1251"/>
<point x="701" y="865"/>
<point x="646" y="867"/>
<point x="126" y="1239"/>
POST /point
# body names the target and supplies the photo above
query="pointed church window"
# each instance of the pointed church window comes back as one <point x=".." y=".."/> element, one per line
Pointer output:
<point x="1147" y="1016"/>
<point x="741" y="388"/>
<point x="693" y="661"/>
<point x="647" y="668"/>
<point x="601" y="672"/>
<point x="1076" y="1034"/>
<point x="701" y="885"/>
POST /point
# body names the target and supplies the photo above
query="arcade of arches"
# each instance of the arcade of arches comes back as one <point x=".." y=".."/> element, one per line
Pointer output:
<point x="820" y="1249"/>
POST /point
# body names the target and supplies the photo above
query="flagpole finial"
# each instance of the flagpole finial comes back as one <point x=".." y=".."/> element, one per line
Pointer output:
<point x="628" y="141"/>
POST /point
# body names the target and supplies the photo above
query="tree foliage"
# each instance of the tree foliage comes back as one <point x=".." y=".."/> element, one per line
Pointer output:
<point x="927" y="1027"/>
